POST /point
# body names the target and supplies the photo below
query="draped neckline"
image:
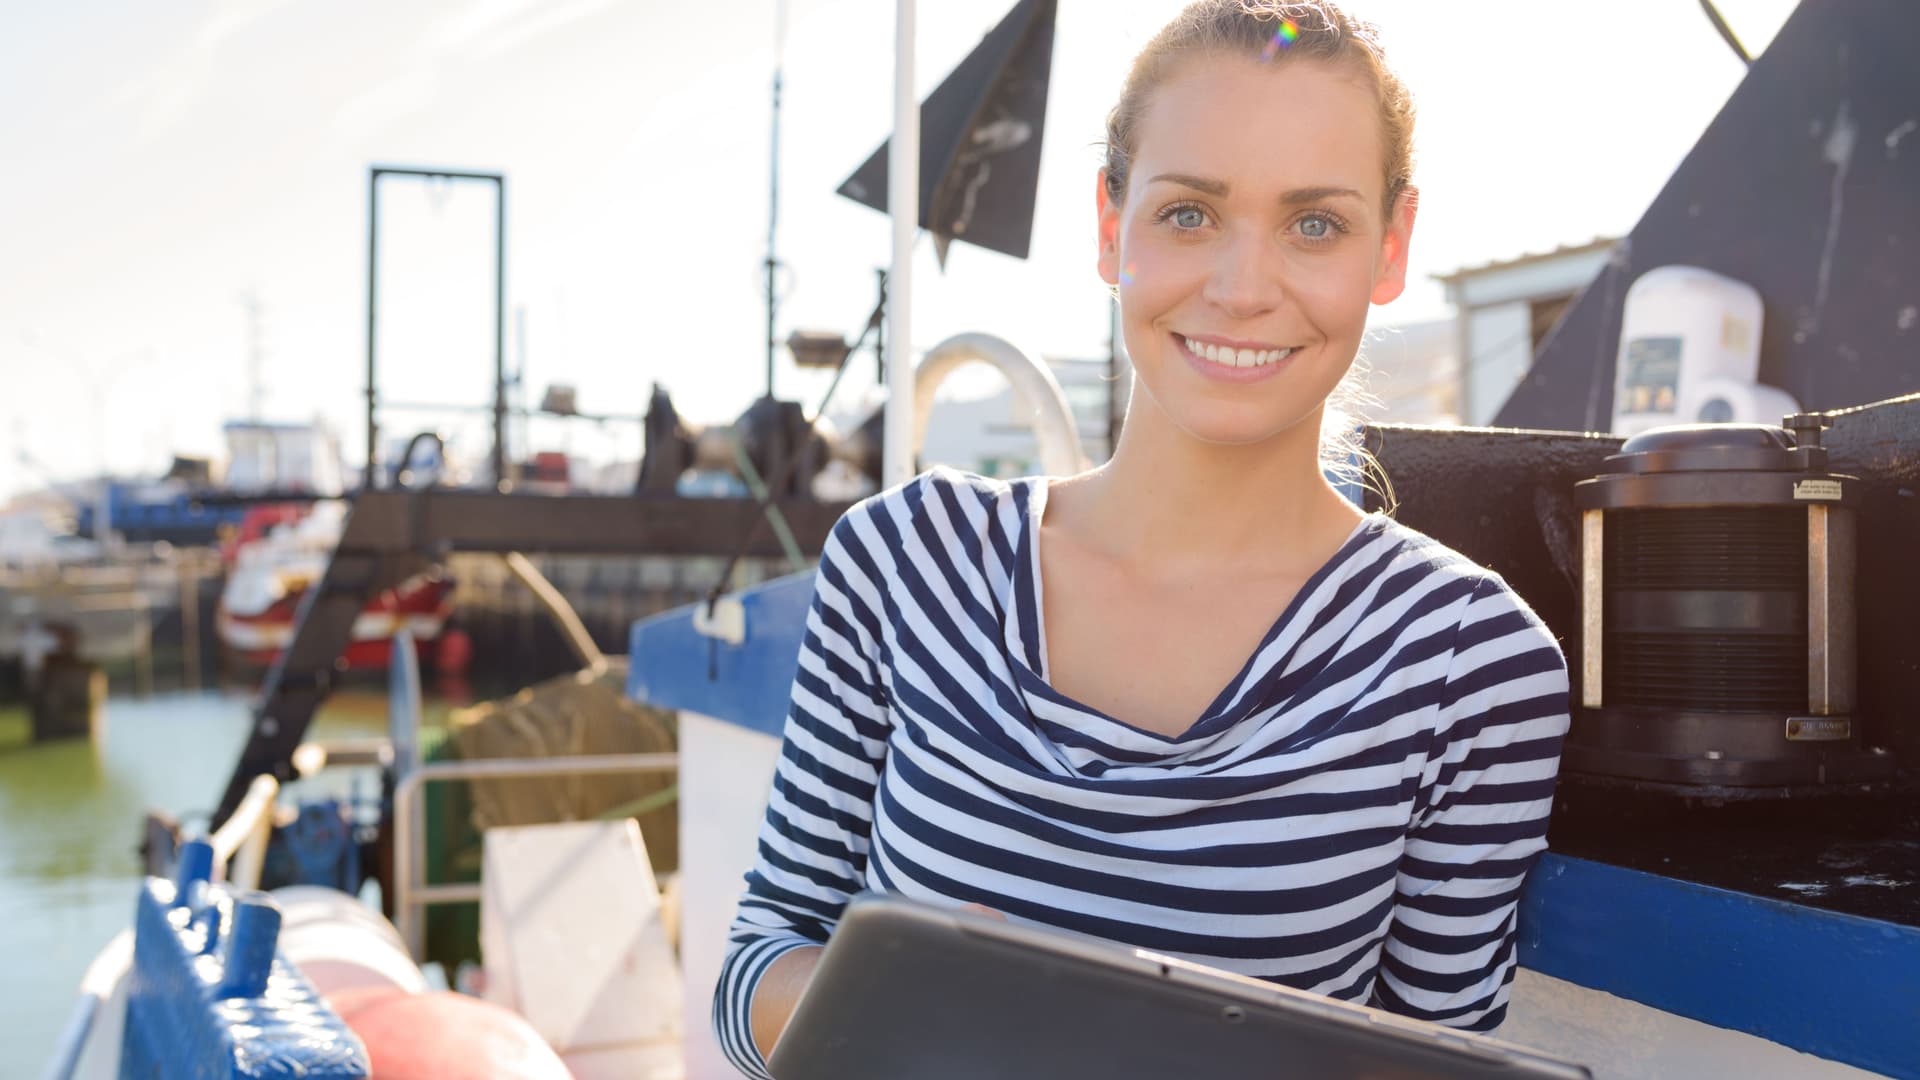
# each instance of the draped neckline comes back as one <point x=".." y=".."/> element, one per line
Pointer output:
<point x="1026" y="642"/>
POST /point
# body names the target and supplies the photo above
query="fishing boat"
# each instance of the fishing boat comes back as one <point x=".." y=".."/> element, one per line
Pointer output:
<point x="1734" y="881"/>
<point x="1639" y="956"/>
<point x="281" y="551"/>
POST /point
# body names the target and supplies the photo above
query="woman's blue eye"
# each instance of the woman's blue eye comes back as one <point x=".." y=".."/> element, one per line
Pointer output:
<point x="1189" y="217"/>
<point x="1316" y="228"/>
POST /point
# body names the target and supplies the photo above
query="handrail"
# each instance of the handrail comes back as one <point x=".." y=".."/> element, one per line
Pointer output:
<point x="240" y="845"/>
<point x="96" y="986"/>
<point x="412" y="892"/>
<point x="1034" y="387"/>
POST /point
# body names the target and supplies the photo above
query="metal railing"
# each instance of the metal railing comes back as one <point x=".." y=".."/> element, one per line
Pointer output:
<point x="412" y="892"/>
<point x="240" y="845"/>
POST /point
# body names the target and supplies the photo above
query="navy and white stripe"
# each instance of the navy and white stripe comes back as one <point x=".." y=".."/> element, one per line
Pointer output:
<point x="1353" y="815"/>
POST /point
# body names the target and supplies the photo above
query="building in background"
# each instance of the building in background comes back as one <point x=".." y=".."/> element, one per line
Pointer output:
<point x="1411" y="374"/>
<point x="1505" y="310"/>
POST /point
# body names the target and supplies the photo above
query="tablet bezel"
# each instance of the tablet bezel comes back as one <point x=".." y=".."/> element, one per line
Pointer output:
<point x="880" y="936"/>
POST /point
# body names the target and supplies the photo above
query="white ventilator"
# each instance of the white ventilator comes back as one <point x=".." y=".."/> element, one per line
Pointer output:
<point x="1690" y="353"/>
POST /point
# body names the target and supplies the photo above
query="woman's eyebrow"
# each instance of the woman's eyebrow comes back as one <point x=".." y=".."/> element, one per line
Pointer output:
<point x="1316" y="194"/>
<point x="1218" y="188"/>
<point x="1198" y="183"/>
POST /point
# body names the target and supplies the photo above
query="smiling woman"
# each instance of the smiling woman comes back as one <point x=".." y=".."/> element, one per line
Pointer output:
<point x="1251" y="208"/>
<point x="1192" y="700"/>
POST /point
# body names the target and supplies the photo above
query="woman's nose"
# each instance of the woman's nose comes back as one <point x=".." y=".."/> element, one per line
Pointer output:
<point x="1247" y="277"/>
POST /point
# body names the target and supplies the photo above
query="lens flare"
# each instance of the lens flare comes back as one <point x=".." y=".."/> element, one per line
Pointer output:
<point x="1126" y="274"/>
<point x="1288" y="33"/>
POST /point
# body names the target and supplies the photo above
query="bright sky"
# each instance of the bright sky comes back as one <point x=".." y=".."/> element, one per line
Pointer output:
<point x="162" y="161"/>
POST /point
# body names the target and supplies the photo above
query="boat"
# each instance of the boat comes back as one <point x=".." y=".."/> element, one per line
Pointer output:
<point x="1636" y="970"/>
<point x="279" y="553"/>
<point x="1749" y="907"/>
<point x="91" y="601"/>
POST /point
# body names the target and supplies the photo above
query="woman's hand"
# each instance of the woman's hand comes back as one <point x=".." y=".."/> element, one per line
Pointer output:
<point x="780" y="988"/>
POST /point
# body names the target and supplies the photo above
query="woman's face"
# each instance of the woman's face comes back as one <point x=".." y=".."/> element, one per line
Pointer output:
<point x="1250" y="242"/>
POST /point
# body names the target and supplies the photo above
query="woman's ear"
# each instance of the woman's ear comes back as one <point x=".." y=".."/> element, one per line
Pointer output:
<point x="1390" y="280"/>
<point x="1109" y="229"/>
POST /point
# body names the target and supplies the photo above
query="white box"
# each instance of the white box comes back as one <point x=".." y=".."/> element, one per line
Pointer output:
<point x="571" y="937"/>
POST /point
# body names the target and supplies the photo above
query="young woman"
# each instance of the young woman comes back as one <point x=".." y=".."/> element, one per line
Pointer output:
<point x="1193" y="700"/>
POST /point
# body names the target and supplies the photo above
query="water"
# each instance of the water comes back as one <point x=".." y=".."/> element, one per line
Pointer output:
<point x="70" y="819"/>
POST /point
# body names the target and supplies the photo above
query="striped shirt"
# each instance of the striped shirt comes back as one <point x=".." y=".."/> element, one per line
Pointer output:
<point x="1353" y="815"/>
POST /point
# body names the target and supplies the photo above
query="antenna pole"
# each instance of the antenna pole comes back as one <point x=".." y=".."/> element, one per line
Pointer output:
<point x="367" y="480"/>
<point x="256" y="387"/>
<point x="502" y="471"/>
<point x="773" y="183"/>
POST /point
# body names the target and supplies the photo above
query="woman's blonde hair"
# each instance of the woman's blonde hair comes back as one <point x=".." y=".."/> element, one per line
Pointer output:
<point x="1276" y="31"/>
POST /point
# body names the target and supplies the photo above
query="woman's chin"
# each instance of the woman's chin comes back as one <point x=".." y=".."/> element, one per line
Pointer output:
<point x="1214" y="428"/>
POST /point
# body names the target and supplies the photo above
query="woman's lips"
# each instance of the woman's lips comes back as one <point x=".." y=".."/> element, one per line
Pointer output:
<point x="1218" y="370"/>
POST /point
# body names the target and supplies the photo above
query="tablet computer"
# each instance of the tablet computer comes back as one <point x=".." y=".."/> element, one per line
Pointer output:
<point x="908" y="991"/>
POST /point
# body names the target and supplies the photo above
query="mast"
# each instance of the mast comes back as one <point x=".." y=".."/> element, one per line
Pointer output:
<point x="903" y="199"/>
<point x="773" y="184"/>
<point x="256" y="386"/>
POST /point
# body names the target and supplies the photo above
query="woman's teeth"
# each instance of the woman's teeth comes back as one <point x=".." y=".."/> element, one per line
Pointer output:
<point x="1227" y="357"/>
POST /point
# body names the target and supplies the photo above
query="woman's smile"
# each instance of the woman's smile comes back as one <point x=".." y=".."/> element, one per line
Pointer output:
<point x="1232" y="361"/>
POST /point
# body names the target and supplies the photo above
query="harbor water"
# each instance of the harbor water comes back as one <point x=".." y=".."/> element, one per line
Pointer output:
<point x="72" y="813"/>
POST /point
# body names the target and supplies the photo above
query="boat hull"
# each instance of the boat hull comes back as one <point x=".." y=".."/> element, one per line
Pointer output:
<point x="420" y="606"/>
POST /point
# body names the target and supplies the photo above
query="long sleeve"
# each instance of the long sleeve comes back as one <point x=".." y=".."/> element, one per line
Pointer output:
<point x="1480" y="822"/>
<point x="814" y="841"/>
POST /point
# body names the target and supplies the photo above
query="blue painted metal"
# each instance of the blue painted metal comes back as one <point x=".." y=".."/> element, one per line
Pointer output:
<point x="320" y="847"/>
<point x="674" y="666"/>
<point x="404" y="704"/>
<point x="1835" y="986"/>
<point x="208" y="997"/>
<point x="193" y="864"/>
<point x="141" y="513"/>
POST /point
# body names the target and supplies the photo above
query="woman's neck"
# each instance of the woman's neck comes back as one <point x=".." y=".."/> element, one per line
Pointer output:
<point x="1170" y="501"/>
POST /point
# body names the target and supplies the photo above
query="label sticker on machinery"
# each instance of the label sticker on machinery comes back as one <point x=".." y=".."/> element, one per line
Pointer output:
<point x="1650" y="382"/>
<point x="1816" y="489"/>
<point x="1818" y="728"/>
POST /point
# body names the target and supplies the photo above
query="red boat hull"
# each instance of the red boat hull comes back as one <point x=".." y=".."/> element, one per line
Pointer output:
<point x="420" y="606"/>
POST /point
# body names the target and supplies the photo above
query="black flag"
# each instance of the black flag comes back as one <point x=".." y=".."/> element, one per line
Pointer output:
<point x="980" y="140"/>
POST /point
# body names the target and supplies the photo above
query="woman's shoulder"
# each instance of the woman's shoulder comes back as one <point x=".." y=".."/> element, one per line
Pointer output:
<point x="941" y="507"/>
<point x="1481" y="597"/>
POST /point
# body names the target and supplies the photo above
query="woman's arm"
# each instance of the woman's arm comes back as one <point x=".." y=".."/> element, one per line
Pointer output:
<point x="1481" y="819"/>
<point x="814" y="840"/>
<point x="779" y="991"/>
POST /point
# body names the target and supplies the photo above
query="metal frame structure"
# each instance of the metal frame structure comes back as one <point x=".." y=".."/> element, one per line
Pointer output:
<point x="499" y="181"/>
<point x="391" y="535"/>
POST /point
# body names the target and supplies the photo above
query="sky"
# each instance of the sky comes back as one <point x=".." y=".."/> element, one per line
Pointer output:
<point x="183" y="199"/>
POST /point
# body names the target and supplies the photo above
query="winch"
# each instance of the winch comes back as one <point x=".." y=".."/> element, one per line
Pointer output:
<point x="1717" y="614"/>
